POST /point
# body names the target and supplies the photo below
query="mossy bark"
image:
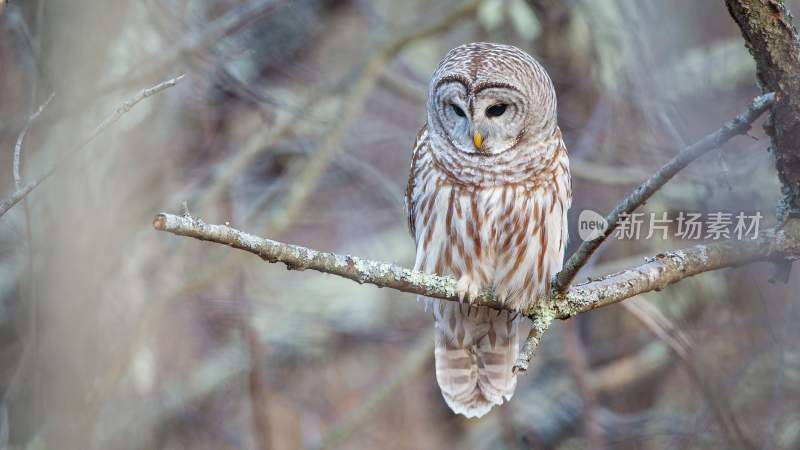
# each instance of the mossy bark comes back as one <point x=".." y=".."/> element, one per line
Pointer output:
<point x="772" y="39"/>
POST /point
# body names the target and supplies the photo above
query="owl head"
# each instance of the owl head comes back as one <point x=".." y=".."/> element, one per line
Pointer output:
<point x="486" y="99"/>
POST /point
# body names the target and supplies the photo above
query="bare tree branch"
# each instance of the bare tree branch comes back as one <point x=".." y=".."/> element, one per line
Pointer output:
<point x="655" y="274"/>
<point x="531" y="344"/>
<point x="21" y="192"/>
<point x="739" y="125"/>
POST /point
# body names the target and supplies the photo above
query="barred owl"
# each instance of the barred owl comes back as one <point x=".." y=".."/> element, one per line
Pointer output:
<point x="487" y="201"/>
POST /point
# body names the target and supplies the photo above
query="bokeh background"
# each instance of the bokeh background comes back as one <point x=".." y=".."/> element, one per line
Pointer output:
<point x="295" y="121"/>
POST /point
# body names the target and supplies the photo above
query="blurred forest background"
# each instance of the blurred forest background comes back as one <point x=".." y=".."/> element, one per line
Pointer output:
<point x="295" y="121"/>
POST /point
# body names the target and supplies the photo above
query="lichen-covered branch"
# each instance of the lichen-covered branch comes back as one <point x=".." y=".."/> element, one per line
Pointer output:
<point x="655" y="274"/>
<point x="739" y="125"/>
<point x="301" y="258"/>
<point x="531" y="344"/>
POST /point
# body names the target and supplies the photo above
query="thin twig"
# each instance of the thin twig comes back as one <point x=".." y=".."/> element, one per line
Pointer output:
<point x="739" y="125"/>
<point x="528" y="349"/>
<point x="126" y="106"/>
<point x="21" y="138"/>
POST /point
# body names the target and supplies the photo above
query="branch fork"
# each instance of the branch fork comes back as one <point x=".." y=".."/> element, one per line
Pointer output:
<point x="566" y="300"/>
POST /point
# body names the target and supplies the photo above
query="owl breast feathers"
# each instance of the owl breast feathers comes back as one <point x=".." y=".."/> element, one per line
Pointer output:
<point x="487" y="202"/>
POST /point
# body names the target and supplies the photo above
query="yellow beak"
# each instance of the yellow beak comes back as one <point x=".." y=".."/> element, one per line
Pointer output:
<point x="477" y="140"/>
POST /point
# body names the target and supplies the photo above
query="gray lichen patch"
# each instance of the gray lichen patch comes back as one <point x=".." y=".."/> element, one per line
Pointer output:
<point x="250" y="241"/>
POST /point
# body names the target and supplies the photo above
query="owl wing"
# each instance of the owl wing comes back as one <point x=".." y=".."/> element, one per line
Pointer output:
<point x="420" y="145"/>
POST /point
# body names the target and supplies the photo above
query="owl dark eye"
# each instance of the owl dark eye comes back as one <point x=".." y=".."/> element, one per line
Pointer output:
<point x="496" y="110"/>
<point x="459" y="112"/>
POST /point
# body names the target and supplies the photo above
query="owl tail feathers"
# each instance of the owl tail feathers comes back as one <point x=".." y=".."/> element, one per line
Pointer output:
<point x="474" y="356"/>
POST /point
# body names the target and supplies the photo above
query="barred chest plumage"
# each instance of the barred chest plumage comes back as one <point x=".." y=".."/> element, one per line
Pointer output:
<point x="508" y="234"/>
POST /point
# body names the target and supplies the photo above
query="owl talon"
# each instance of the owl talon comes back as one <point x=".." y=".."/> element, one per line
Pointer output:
<point x="502" y="296"/>
<point x="467" y="289"/>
